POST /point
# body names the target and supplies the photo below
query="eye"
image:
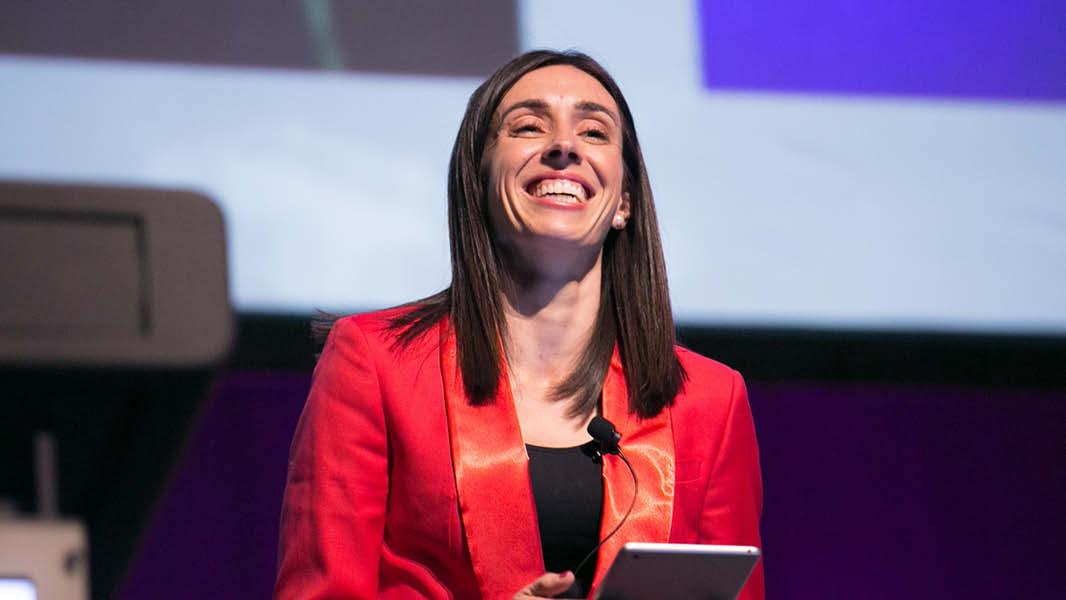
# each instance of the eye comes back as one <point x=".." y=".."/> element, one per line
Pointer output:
<point x="526" y="127"/>
<point x="596" y="133"/>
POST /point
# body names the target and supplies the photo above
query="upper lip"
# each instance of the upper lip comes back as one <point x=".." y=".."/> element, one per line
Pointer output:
<point x="560" y="175"/>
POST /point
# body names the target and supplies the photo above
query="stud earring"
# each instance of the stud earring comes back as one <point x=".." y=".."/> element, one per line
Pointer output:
<point x="619" y="222"/>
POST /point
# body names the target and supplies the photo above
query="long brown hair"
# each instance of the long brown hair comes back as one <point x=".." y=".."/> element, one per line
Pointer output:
<point x="634" y="307"/>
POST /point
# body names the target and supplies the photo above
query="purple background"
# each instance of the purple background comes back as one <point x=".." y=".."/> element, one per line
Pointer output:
<point x="971" y="48"/>
<point x="872" y="491"/>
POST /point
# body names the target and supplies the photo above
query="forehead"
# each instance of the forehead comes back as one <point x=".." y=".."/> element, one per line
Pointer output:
<point x="558" y="85"/>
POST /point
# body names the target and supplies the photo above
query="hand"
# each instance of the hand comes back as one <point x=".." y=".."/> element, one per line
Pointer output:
<point x="547" y="585"/>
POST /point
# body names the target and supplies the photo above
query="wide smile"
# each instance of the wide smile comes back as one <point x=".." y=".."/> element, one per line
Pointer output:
<point x="559" y="190"/>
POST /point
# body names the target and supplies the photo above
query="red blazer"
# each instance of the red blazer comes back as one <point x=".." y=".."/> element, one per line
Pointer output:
<point x="398" y="488"/>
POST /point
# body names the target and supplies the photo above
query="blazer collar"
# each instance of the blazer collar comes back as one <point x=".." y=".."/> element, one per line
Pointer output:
<point x="496" y="504"/>
<point x="649" y="446"/>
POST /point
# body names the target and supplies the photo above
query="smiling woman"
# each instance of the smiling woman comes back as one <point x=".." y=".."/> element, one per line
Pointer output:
<point x="555" y="171"/>
<point x="443" y="451"/>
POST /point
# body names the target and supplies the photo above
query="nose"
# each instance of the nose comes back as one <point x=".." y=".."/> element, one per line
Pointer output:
<point x="562" y="151"/>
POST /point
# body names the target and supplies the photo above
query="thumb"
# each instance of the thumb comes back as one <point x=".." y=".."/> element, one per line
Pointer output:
<point x="551" y="584"/>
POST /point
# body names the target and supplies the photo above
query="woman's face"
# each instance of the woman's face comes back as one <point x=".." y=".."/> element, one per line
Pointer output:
<point x="554" y="163"/>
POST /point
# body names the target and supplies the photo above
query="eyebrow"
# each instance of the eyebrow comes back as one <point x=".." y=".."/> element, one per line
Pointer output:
<point x="587" y="106"/>
<point x="534" y="105"/>
<point x="542" y="106"/>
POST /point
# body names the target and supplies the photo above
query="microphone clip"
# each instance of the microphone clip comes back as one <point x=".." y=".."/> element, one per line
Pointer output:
<point x="604" y="432"/>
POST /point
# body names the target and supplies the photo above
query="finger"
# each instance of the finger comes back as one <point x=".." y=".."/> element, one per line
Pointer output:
<point x="546" y="586"/>
<point x="551" y="584"/>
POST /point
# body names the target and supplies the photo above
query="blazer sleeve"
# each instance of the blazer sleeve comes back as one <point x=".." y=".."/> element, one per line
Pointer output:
<point x="733" y="503"/>
<point x="333" y="512"/>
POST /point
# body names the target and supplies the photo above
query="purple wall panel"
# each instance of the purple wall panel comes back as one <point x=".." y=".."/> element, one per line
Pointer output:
<point x="215" y="532"/>
<point x="872" y="491"/>
<point x="912" y="492"/>
<point x="969" y="48"/>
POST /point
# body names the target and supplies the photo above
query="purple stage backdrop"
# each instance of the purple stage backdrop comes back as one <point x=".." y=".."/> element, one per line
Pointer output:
<point x="954" y="48"/>
<point x="872" y="491"/>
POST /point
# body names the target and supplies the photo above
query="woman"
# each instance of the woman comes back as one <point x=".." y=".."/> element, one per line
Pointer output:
<point x="443" y="450"/>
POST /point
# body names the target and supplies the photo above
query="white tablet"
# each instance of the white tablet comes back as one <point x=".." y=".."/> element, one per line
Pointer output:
<point x="643" y="571"/>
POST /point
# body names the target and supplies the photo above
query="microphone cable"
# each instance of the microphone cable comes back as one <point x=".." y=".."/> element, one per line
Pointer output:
<point x="603" y="431"/>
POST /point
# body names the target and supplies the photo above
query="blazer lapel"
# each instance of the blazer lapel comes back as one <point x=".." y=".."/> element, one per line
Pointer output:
<point x="649" y="445"/>
<point x="492" y="480"/>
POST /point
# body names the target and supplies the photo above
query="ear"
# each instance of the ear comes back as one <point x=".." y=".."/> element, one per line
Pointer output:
<point x="623" y="207"/>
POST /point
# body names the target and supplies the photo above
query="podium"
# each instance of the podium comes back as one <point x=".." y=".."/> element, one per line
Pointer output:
<point x="114" y="317"/>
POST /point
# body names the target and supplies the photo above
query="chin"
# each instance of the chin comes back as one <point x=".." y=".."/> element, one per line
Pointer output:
<point x="563" y="238"/>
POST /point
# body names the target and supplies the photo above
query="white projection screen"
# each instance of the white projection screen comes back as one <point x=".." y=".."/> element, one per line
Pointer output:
<point x="902" y="169"/>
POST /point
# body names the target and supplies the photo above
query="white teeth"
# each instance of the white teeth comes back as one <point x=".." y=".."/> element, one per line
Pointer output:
<point x="561" y="187"/>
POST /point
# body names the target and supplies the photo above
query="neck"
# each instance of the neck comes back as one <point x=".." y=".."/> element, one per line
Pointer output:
<point x="549" y="320"/>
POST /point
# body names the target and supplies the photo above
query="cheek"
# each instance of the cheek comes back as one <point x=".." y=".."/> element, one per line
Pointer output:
<point x="497" y="179"/>
<point x="618" y="172"/>
<point x="609" y="167"/>
<point x="497" y="206"/>
<point x="502" y="175"/>
<point x="493" y="171"/>
<point x="496" y="189"/>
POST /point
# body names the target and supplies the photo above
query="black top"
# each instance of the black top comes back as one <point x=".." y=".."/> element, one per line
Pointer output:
<point x="568" y="492"/>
